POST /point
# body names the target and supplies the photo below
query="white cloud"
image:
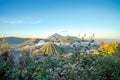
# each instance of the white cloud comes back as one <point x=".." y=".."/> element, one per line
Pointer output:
<point x="11" y="21"/>
<point x="20" y="21"/>
<point x="14" y="22"/>
<point x="64" y="31"/>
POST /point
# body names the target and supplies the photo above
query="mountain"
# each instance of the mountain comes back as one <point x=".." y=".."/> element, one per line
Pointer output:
<point x="58" y="38"/>
<point x="28" y="42"/>
<point x="54" y="36"/>
<point x="32" y="41"/>
<point x="19" y="42"/>
<point x="72" y="37"/>
<point x="50" y="49"/>
<point x="15" y="40"/>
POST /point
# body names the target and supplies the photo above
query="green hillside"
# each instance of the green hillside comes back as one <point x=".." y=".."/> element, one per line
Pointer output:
<point x="50" y="49"/>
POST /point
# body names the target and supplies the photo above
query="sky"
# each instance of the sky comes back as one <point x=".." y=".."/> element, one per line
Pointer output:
<point x="42" y="18"/>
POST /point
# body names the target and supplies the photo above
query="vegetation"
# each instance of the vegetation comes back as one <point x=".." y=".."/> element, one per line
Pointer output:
<point x="30" y="41"/>
<point x="108" y="48"/>
<point x="4" y="45"/>
<point x="103" y="66"/>
<point x="50" y="49"/>
<point x="6" y="61"/>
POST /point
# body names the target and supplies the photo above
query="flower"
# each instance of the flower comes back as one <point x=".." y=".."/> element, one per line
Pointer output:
<point x="24" y="69"/>
<point x="12" y="56"/>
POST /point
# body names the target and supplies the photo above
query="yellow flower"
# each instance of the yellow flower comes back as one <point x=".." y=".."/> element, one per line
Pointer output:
<point x="95" y="52"/>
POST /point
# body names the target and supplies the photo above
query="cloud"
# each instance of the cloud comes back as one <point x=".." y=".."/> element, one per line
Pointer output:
<point x="64" y="31"/>
<point x="11" y="21"/>
<point x="14" y="22"/>
<point x="20" y="21"/>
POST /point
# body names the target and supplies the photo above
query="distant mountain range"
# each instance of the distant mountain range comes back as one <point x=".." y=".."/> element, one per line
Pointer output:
<point x="21" y="41"/>
<point x="55" y="36"/>
<point x="15" y="40"/>
<point x="66" y="39"/>
<point x="58" y="36"/>
<point x="28" y="42"/>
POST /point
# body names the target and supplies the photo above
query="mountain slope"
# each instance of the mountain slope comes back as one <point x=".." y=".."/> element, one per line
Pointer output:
<point x="50" y="49"/>
<point x="54" y="36"/>
<point x="32" y="41"/>
<point x="15" y="40"/>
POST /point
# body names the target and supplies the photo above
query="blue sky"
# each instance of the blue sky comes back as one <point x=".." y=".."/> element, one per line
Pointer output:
<point x="41" y="18"/>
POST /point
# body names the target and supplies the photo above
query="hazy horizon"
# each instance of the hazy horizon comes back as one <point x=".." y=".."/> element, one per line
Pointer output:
<point x="42" y="18"/>
<point x="87" y="37"/>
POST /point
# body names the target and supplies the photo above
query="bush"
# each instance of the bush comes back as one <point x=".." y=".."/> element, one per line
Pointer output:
<point x="102" y="66"/>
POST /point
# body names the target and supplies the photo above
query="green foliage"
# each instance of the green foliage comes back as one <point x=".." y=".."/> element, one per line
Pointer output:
<point x="109" y="47"/>
<point x="102" y="66"/>
<point x="6" y="62"/>
<point x="4" y="45"/>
